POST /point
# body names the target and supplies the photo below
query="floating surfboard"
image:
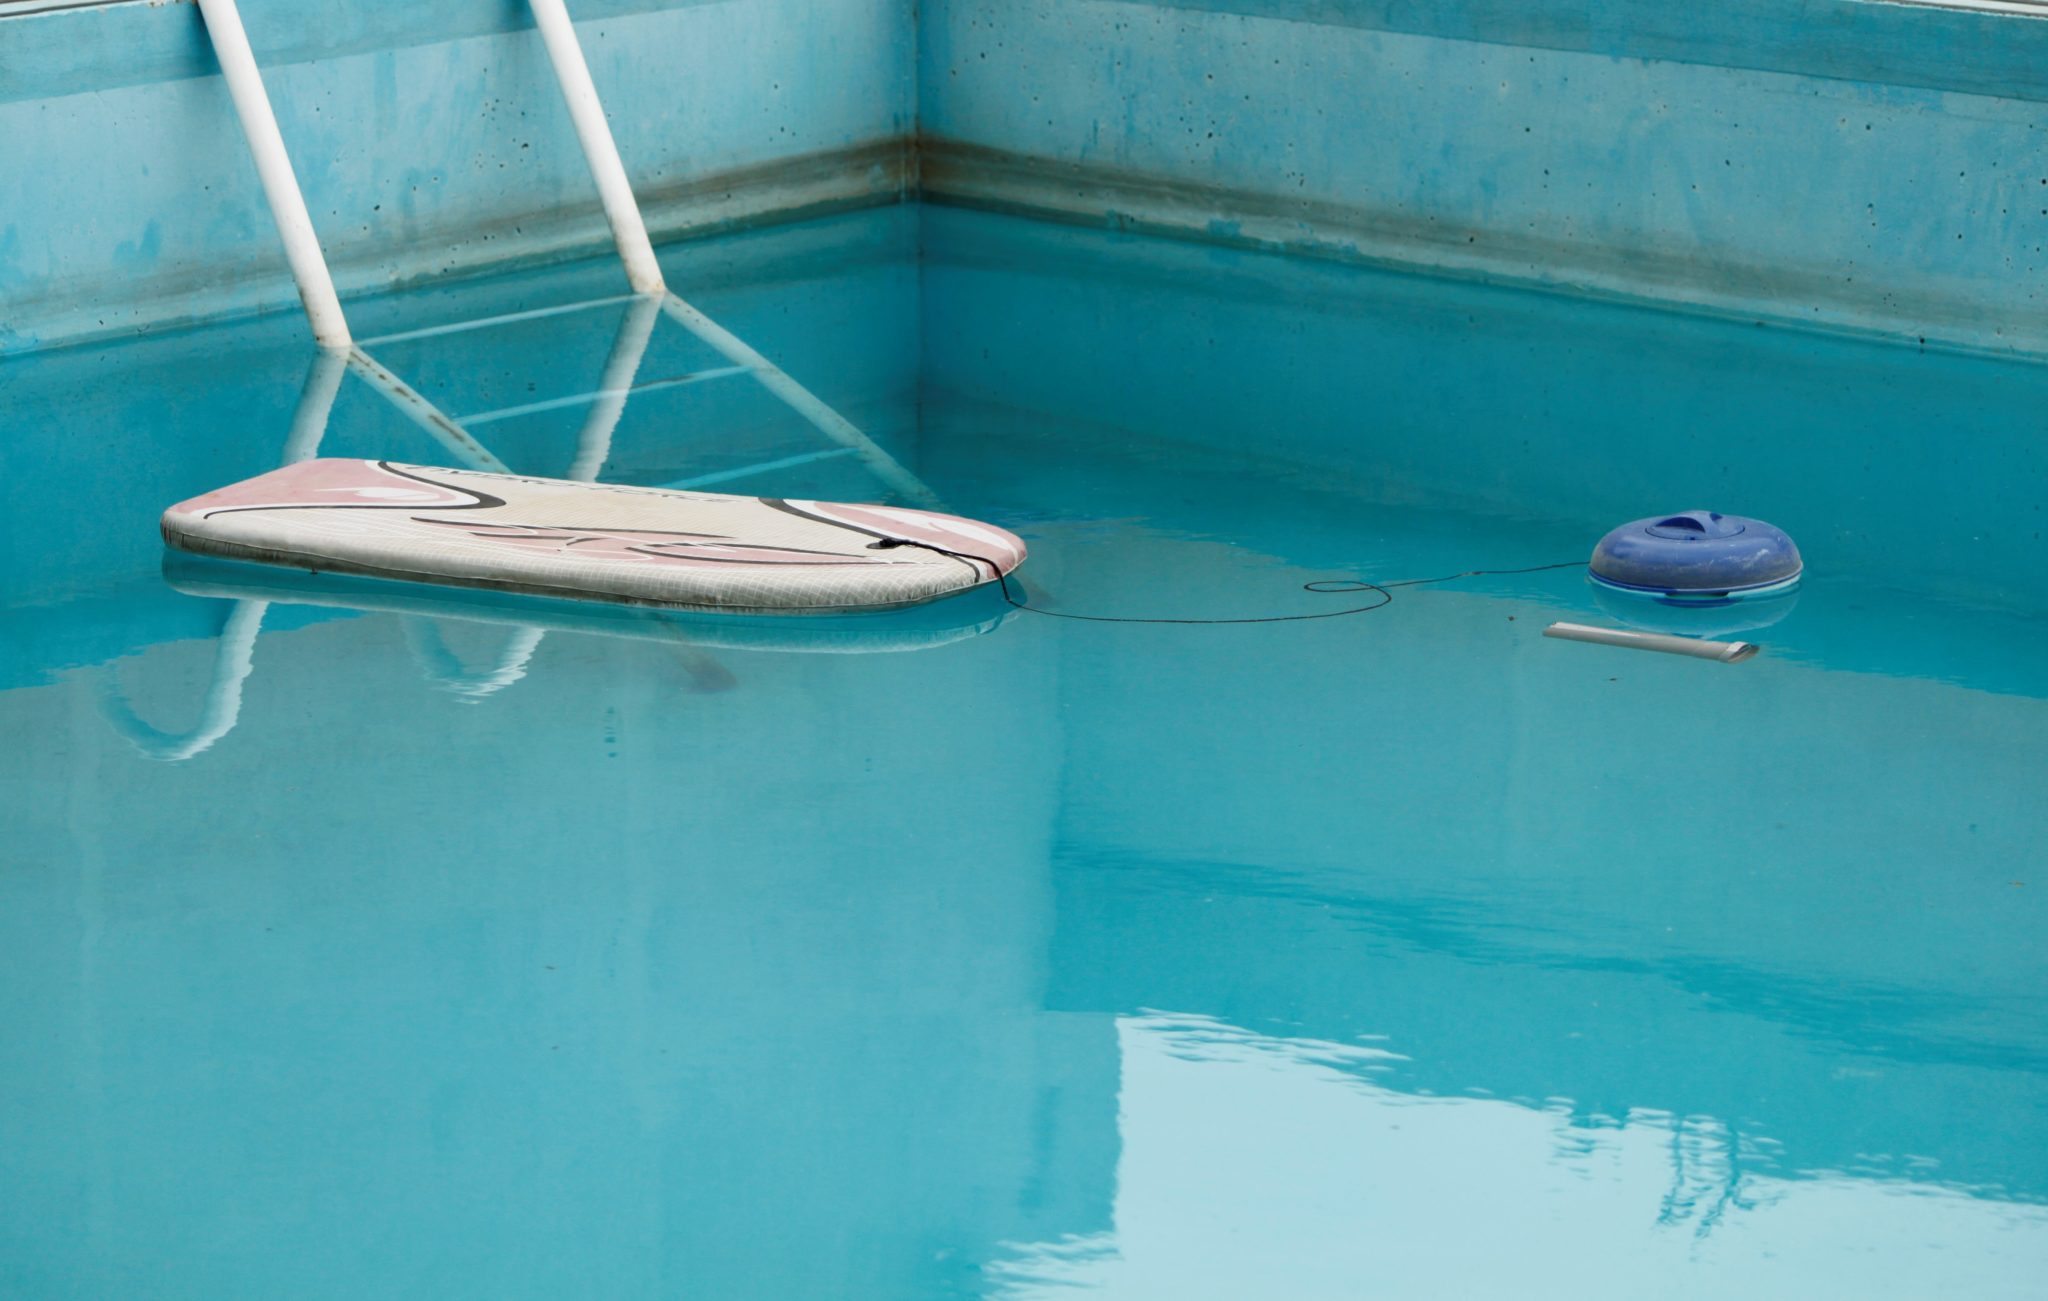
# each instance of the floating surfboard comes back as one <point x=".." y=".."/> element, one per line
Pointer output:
<point x="591" y="541"/>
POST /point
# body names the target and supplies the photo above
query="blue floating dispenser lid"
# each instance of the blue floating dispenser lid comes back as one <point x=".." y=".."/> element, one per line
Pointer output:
<point x="1697" y="555"/>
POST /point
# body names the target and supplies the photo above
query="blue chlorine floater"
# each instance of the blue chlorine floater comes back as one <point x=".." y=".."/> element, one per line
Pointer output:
<point x="1695" y="558"/>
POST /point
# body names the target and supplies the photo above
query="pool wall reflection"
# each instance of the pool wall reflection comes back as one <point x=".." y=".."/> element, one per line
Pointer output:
<point x="355" y="978"/>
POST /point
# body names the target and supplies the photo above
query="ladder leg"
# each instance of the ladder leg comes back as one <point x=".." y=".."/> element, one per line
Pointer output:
<point x="309" y="265"/>
<point x="594" y="442"/>
<point x="805" y="403"/>
<point x="316" y="404"/>
<point x="440" y="667"/>
<point x="233" y="658"/>
<point x="565" y="52"/>
<point x="274" y="168"/>
<point x="424" y="414"/>
<point x="599" y="149"/>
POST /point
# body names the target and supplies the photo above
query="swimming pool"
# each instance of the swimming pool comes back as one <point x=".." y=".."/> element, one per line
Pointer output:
<point x="459" y="948"/>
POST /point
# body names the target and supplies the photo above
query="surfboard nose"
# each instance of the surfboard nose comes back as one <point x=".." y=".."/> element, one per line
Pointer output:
<point x="1001" y="549"/>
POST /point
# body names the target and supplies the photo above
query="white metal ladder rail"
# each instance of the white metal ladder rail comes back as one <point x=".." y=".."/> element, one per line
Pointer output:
<point x="340" y="353"/>
<point x="234" y="654"/>
<point x="629" y="234"/>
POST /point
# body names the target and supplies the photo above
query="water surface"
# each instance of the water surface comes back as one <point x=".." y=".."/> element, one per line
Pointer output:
<point x="449" y="947"/>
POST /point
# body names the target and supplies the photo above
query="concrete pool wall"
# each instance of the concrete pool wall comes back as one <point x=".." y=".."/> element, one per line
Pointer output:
<point x="428" y="139"/>
<point x="1846" y="164"/>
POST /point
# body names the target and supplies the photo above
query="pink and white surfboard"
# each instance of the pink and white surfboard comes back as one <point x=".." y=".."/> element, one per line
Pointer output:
<point x="591" y="541"/>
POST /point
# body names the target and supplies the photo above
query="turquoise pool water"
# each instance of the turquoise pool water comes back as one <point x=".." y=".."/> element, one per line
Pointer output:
<point x="478" y="950"/>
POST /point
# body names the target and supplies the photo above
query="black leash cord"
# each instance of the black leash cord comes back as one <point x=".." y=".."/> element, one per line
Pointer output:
<point x="1321" y="585"/>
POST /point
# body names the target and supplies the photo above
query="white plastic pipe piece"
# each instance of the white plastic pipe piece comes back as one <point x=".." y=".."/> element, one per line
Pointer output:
<point x="274" y="168"/>
<point x="1727" y="652"/>
<point x="629" y="232"/>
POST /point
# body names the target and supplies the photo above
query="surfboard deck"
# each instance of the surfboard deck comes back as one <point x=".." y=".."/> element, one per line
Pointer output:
<point x="592" y="541"/>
